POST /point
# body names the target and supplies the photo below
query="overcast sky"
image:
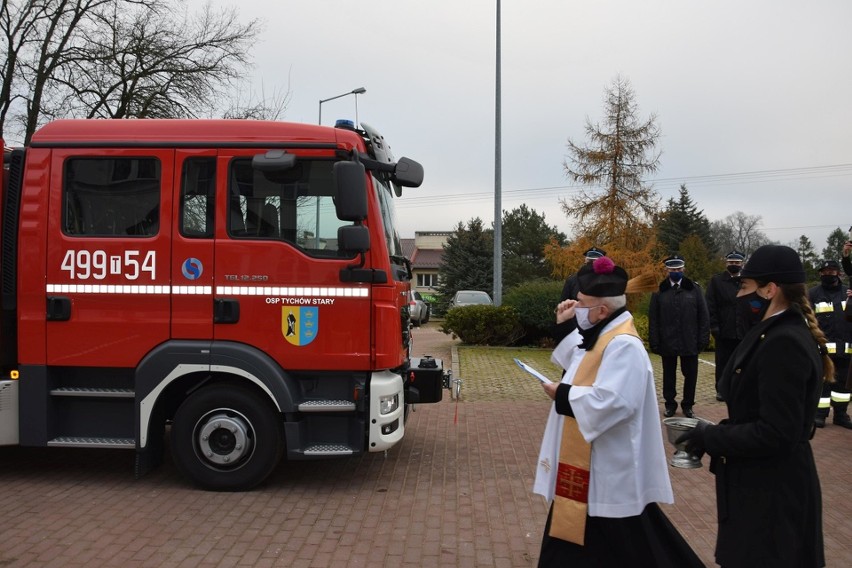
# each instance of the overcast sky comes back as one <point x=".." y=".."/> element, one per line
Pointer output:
<point x="754" y="98"/>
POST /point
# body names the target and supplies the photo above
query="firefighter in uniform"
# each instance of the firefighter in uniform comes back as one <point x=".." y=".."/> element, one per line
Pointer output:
<point x="828" y="299"/>
<point x="721" y="299"/>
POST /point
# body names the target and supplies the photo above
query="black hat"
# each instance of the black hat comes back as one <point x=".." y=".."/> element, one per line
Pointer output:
<point x="775" y="263"/>
<point x="602" y="279"/>
<point x="735" y="255"/>
<point x="594" y="253"/>
<point x="674" y="261"/>
<point x="828" y="263"/>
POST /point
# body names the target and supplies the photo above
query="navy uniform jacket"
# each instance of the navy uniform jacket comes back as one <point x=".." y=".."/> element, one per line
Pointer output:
<point x="678" y="321"/>
<point x="767" y="489"/>
<point x="721" y="299"/>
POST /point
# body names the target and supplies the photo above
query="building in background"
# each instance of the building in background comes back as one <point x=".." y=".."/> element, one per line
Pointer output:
<point x="425" y="251"/>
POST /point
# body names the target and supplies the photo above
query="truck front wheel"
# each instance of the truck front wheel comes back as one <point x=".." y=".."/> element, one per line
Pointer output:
<point x="226" y="438"/>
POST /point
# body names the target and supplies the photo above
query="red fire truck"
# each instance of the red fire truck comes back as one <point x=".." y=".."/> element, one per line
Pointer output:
<point x="239" y="285"/>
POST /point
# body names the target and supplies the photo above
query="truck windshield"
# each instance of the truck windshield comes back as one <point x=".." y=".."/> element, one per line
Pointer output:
<point x="385" y="197"/>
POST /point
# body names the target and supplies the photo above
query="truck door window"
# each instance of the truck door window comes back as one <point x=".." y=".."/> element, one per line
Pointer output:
<point x="109" y="197"/>
<point x="297" y="207"/>
<point x="197" y="197"/>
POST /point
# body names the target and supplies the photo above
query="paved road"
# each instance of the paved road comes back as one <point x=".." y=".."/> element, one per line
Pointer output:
<point x="455" y="493"/>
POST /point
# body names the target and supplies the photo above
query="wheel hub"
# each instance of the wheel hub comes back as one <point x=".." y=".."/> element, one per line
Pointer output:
<point x="223" y="439"/>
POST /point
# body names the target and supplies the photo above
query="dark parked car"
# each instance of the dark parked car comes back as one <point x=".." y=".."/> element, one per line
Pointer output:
<point x="470" y="298"/>
<point x="419" y="308"/>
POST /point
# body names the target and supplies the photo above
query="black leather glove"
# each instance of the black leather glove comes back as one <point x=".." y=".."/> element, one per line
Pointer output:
<point x="693" y="440"/>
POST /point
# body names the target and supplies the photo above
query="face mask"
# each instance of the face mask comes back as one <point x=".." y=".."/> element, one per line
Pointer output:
<point x="829" y="280"/>
<point x="582" y="315"/>
<point x="734" y="269"/>
<point x="675" y="276"/>
<point x="751" y="308"/>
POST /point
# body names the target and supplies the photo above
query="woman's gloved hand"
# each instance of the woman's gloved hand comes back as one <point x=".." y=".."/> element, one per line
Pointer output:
<point x="693" y="440"/>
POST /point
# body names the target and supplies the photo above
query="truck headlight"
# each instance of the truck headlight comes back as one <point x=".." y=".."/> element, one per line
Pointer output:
<point x="388" y="404"/>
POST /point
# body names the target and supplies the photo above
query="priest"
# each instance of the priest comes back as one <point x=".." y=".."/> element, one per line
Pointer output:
<point x="602" y="464"/>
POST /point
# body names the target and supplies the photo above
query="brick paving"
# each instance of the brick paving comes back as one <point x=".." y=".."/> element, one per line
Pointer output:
<point x="455" y="492"/>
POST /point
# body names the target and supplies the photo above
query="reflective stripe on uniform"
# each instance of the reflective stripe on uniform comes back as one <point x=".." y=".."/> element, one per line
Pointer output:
<point x="831" y="348"/>
<point x="824" y="402"/>
<point x="823" y="307"/>
<point x="839" y="397"/>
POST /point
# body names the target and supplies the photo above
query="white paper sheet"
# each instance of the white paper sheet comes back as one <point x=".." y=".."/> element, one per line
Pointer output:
<point x="533" y="372"/>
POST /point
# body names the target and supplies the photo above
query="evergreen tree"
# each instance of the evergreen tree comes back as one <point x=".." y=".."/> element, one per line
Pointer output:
<point x="525" y="234"/>
<point x="618" y="213"/>
<point x="468" y="260"/>
<point x="679" y="220"/>
<point x="834" y="244"/>
<point x="807" y="253"/>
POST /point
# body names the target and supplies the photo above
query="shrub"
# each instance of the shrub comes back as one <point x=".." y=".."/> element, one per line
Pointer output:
<point x="483" y="325"/>
<point x="535" y="301"/>
<point x="641" y="323"/>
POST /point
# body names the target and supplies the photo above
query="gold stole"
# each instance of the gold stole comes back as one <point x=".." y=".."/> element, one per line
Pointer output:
<point x="570" y="501"/>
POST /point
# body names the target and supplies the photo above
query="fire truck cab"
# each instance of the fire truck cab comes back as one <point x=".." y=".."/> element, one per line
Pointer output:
<point x="239" y="284"/>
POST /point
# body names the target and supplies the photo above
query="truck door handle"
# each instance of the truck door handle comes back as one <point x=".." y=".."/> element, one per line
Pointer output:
<point x="58" y="308"/>
<point x="226" y="310"/>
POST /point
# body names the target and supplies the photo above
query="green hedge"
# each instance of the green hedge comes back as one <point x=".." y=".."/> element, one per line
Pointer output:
<point x="535" y="302"/>
<point x="483" y="325"/>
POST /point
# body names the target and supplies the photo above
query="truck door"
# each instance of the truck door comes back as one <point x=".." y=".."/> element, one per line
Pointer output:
<point x="192" y="245"/>
<point x="109" y="239"/>
<point x="278" y="283"/>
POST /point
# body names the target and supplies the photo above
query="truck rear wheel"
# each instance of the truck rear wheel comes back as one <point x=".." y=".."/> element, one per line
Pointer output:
<point x="226" y="438"/>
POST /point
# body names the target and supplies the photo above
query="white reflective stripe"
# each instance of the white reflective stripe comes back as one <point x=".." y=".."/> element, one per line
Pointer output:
<point x="157" y="289"/>
<point x="823" y="307"/>
<point x="824" y="402"/>
<point x="147" y="289"/>
<point x="849" y="348"/>
<point x="831" y="347"/>
<point x="361" y="292"/>
<point x="843" y="305"/>
<point x="839" y="396"/>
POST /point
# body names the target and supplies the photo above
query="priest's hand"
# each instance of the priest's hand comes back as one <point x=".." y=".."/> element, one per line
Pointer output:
<point x="550" y="389"/>
<point x="565" y="310"/>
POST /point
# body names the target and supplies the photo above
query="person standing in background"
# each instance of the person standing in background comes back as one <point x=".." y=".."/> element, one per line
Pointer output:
<point x="721" y="299"/>
<point x="679" y="326"/>
<point x="828" y="300"/>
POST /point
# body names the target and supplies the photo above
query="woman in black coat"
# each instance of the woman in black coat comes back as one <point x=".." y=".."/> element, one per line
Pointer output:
<point x="767" y="489"/>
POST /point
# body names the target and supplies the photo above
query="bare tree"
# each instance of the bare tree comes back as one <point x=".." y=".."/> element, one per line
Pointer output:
<point x="36" y="35"/>
<point x="739" y="231"/>
<point x="119" y="59"/>
<point x="155" y="63"/>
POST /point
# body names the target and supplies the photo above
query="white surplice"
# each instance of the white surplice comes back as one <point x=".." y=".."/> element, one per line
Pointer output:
<point x="618" y="416"/>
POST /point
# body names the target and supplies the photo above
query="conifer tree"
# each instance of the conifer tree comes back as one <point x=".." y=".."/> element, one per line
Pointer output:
<point x="616" y="212"/>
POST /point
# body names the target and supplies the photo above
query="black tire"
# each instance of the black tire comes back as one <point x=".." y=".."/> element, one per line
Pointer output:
<point x="428" y="313"/>
<point x="226" y="438"/>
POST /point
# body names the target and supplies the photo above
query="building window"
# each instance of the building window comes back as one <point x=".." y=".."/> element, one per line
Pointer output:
<point x="427" y="280"/>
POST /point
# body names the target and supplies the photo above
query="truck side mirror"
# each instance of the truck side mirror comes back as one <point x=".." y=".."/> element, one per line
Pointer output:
<point x="353" y="239"/>
<point x="350" y="186"/>
<point x="408" y="173"/>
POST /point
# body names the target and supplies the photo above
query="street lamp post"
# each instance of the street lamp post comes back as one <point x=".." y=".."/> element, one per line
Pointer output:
<point x="356" y="92"/>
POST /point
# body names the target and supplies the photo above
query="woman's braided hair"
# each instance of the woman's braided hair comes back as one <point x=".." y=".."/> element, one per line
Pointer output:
<point x="797" y="295"/>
